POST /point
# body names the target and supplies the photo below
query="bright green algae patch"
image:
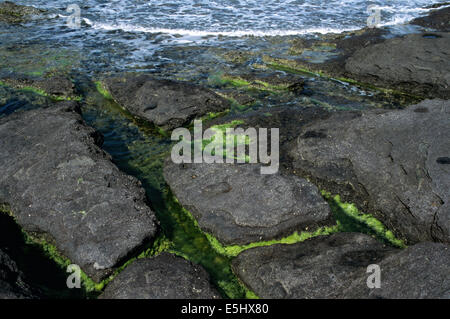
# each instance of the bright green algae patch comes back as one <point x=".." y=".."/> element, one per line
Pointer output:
<point x="350" y="219"/>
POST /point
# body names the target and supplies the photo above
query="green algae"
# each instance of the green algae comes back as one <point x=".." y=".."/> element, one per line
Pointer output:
<point x="296" y="237"/>
<point x="350" y="219"/>
<point x="103" y="90"/>
<point x="142" y="155"/>
<point x="257" y="84"/>
<point x="294" y="67"/>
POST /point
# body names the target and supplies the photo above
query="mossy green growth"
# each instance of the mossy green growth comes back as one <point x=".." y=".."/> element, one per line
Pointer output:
<point x="296" y="237"/>
<point x="256" y="84"/>
<point x="350" y="219"/>
<point x="103" y="90"/>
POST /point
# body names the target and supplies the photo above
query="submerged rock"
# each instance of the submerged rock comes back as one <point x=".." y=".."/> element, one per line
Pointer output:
<point x="163" y="277"/>
<point x="238" y="205"/>
<point x="14" y="13"/>
<point x="335" y="266"/>
<point x="416" y="63"/>
<point x="166" y="103"/>
<point x="438" y="20"/>
<point x="390" y="163"/>
<point x="12" y="281"/>
<point x="63" y="188"/>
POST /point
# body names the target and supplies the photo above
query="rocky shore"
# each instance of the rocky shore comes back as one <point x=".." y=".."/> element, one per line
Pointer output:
<point x="364" y="176"/>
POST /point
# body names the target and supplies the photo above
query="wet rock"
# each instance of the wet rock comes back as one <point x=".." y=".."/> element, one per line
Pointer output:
<point x="416" y="63"/>
<point x="274" y="81"/>
<point x="438" y="20"/>
<point x="389" y="163"/>
<point x="168" y="104"/>
<point x="14" y="13"/>
<point x="56" y="86"/>
<point x="63" y="188"/>
<point x="163" y="277"/>
<point x="12" y="281"/>
<point x="335" y="266"/>
<point x="238" y="205"/>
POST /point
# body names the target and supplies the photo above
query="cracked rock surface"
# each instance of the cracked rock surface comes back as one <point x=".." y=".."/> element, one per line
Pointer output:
<point x="166" y="103"/>
<point x="335" y="266"/>
<point x="238" y="205"/>
<point x="62" y="187"/>
<point x="393" y="164"/>
<point x="163" y="277"/>
<point x="417" y="63"/>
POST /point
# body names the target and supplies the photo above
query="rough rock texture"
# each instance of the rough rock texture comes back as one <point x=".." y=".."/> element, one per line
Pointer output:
<point x="418" y="272"/>
<point x="55" y="86"/>
<point x="163" y="277"/>
<point x="12" y="281"/>
<point x="416" y="63"/>
<point x="61" y="186"/>
<point x="438" y="20"/>
<point x="14" y="13"/>
<point x="394" y="164"/>
<point x="168" y="104"/>
<point x="335" y="266"/>
<point x="238" y="205"/>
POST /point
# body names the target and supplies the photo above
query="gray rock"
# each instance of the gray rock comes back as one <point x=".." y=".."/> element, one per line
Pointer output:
<point x="168" y="104"/>
<point x="238" y="205"/>
<point x="335" y="266"/>
<point x="421" y="271"/>
<point x="416" y="63"/>
<point x="438" y="20"/>
<point x="12" y="282"/>
<point x="393" y="164"/>
<point x="163" y="277"/>
<point x="14" y="13"/>
<point x="61" y="186"/>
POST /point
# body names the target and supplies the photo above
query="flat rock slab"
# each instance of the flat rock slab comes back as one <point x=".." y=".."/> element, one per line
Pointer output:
<point x="61" y="186"/>
<point x="238" y="205"/>
<point x="416" y="63"/>
<point x="166" y="103"/>
<point x="393" y="164"/>
<point x="437" y="20"/>
<point x="335" y="266"/>
<point x="12" y="281"/>
<point x="163" y="277"/>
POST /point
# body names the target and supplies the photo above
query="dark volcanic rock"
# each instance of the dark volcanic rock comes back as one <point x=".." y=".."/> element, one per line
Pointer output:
<point x="335" y="266"/>
<point x="163" y="277"/>
<point x="438" y="20"/>
<point x="54" y="85"/>
<point x="12" y="281"/>
<point x="167" y="104"/>
<point x="238" y="205"/>
<point x="390" y="163"/>
<point x="61" y="186"/>
<point x="416" y="63"/>
<point x="14" y="13"/>
<point x="417" y="272"/>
